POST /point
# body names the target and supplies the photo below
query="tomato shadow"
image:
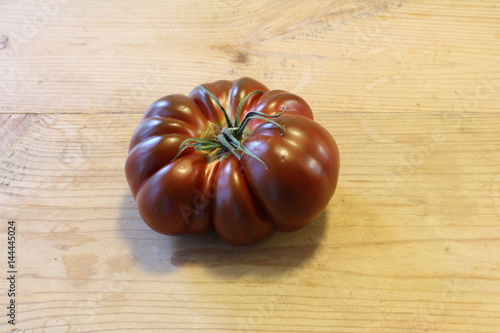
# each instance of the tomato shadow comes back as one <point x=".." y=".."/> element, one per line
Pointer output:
<point x="278" y="254"/>
<point x="155" y="253"/>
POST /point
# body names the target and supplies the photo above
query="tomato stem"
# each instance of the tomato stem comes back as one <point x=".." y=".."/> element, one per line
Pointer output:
<point x="259" y="115"/>
<point x="219" y="140"/>
<point x="240" y="106"/>
<point x="228" y="121"/>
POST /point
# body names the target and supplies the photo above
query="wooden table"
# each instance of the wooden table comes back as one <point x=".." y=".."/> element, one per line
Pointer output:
<point x="409" y="243"/>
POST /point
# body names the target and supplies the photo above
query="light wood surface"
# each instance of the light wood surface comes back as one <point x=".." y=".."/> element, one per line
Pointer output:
<point x="409" y="89"/>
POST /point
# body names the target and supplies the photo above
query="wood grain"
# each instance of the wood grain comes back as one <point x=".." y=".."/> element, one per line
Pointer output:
<point x="409" y="89"/>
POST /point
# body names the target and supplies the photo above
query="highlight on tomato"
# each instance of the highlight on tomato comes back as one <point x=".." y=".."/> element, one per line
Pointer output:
<point x="234" y="156"/>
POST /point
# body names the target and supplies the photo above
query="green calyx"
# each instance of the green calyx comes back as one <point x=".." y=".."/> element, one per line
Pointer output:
<point x="227" y="139"/>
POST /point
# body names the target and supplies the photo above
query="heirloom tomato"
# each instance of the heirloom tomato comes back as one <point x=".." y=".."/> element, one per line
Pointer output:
<point x="234" y="156"/>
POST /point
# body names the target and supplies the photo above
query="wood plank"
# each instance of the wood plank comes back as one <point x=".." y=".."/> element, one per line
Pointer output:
<point x="367" y="56"/>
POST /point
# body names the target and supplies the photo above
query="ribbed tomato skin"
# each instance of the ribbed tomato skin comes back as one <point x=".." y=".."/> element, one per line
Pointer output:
<point x="242" y="199"/>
